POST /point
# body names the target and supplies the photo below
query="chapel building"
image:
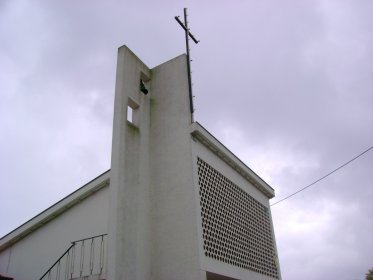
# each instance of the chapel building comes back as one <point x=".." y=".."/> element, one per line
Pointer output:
<point x="176" y="203"/>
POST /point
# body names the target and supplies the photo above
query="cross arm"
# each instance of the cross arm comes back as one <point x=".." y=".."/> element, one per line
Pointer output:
<point x="183" y="26"/>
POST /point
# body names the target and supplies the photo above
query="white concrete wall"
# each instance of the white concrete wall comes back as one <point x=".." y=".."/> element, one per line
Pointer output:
<point x="30" y="257"/>
<point x="174" y="217"/>
<point x="129" y="245"/>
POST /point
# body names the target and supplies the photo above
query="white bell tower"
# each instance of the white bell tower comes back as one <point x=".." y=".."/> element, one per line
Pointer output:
<point x="182" y="205"/>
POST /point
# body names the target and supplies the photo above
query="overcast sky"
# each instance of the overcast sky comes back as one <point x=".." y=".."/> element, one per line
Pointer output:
<point x="286" y="85"/>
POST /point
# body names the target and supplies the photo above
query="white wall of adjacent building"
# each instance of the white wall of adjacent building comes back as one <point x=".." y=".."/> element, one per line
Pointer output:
<point x="31" y="256"/>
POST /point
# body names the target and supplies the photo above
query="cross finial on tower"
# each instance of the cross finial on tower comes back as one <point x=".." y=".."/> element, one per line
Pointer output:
<point x="187" y="35"/>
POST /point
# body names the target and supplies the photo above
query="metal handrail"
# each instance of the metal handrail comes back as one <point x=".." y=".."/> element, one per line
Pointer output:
<point x="72" y="245"/>
<point x="70" y="259"/>
<point x="93" y="237"/>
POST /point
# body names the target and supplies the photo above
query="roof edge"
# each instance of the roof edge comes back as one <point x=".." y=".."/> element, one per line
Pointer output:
<point x="55" y="210"/>
<point x="207" y="139"/>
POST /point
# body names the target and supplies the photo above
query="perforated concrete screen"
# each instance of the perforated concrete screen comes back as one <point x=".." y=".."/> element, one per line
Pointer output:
<point x="236" y="227"/>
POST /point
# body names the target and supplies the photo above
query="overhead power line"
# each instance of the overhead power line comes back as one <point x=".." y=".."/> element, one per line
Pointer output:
<point x="323" y="177"/>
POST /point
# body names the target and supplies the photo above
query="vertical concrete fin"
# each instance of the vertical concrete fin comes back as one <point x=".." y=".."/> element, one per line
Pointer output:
<point x="174" y="226"/>
<point x="129" y="215"/>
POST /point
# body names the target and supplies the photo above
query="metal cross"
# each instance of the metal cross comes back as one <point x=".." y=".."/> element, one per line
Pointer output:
<point x="187" y="35"/>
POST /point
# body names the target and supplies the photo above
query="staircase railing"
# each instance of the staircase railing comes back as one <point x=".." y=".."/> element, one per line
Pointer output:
<point x="85" y="257"/>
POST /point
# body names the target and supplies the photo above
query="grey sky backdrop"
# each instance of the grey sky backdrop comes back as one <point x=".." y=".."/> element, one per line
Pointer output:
<point x="286" y="85"/>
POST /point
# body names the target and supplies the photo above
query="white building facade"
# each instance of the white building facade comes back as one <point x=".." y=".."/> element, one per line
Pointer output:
<point x="176" y="203"/>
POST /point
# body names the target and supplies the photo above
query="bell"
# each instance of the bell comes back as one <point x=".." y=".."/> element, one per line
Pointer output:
<point x="143" y="88"/>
